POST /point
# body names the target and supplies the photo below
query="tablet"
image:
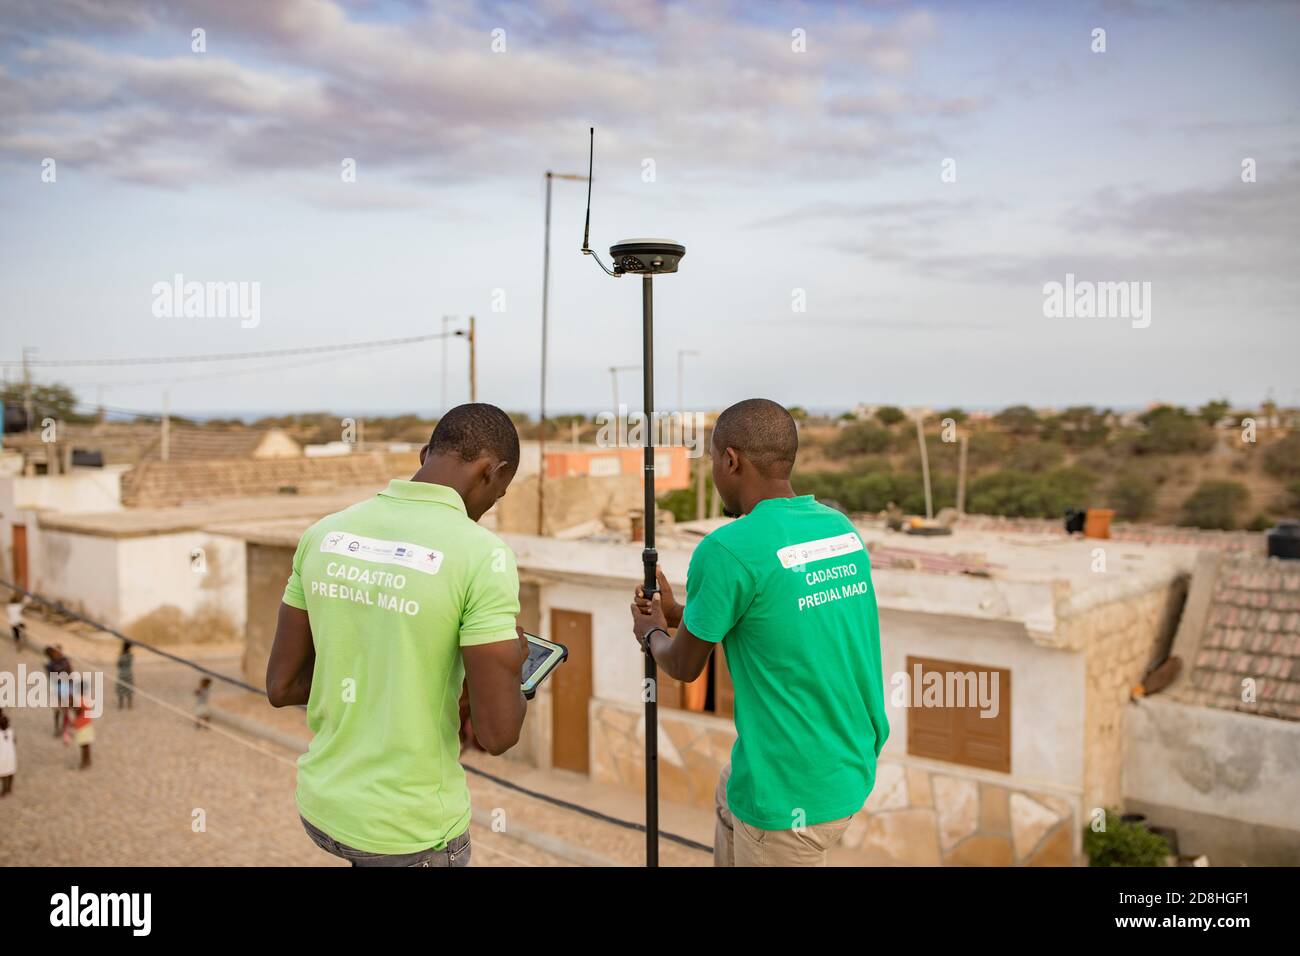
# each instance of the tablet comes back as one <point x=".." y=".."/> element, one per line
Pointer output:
<point x="543" y="657"/>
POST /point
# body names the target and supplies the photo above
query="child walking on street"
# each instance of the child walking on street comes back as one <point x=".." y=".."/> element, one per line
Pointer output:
<point x="126" y="677"/>
<point x="83" y="731"/>
<point x="202" y="712"/>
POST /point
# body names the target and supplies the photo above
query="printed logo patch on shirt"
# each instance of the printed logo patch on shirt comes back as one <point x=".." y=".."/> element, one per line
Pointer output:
<point x="403" y="553"/>
<point x="819" y="550"/>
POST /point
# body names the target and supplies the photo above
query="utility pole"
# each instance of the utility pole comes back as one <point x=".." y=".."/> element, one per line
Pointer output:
<point x="29" y="410"/>
<point x="925" y="466"/>
<point x="167" y="425"/>
<point x="473" y="366"/>
<point x="963" y="448"/>
<point x="442" y="407"/>
<point x="546" y="298"/>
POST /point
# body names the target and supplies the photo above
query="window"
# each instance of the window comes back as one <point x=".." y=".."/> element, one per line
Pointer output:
<point x="972" y="725"/>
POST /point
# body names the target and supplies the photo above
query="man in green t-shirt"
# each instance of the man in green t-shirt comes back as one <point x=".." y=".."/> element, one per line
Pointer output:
<point x="393" y="605"/>
<point x="787" y="591"/>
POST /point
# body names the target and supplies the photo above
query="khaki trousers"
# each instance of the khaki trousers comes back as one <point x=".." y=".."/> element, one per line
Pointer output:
<point x="736" y="843"/>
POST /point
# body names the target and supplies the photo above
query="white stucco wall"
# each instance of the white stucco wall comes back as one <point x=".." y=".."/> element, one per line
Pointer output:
<point x="1216" y="762"/>
<point x="158" y="570"/>
<point x="79" y="570"/>
<point x="83" y="491"/>
<point x="617" y="668"/>
<point x="1047" y="688"/>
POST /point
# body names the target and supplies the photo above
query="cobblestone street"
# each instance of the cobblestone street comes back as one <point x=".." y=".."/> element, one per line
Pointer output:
<point x="152" y="771"/>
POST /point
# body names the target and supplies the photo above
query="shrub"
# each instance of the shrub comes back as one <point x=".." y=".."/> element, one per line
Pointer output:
<point x="1018" y="419"/>
<point x="889" y="415"/>
<point x="1282" y="458"/>
<point x="1172" y="431"/>
<point x="1132" y="494"/>
<point x="862" y="438"/>
<point x="1023" y="495"/>
<point x="1216" y="504"/>
<point x="1124" y="844"/>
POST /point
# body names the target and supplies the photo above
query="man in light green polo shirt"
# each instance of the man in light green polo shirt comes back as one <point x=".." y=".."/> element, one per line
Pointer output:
<point x="392" y="606"/>
<point x="787" y="591"/>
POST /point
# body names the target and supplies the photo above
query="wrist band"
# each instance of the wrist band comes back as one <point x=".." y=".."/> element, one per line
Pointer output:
<point x="651" y="632"/>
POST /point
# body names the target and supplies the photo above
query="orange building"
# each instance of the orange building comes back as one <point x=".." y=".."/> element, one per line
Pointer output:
<point x="672" y="464"/>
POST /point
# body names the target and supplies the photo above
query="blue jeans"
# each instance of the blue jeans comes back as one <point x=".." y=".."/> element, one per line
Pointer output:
<point x="455" y="853"/>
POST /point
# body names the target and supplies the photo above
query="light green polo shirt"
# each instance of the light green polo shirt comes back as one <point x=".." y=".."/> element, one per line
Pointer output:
<point x="394" y="587"/>
<point x="787" y="590"/>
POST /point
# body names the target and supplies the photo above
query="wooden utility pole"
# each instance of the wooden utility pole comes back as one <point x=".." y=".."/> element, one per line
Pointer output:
<point x="961" y="473"/>
<point x="473" y="366"/>
<point x="925" y="467"/>
<point x="166" y="425"/>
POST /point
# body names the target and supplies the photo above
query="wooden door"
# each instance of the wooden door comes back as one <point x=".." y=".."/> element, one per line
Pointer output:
<point x="20" y="556"/>
<point x="571" y="691"/>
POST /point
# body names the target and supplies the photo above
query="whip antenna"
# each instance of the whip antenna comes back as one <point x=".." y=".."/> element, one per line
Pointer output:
<point x="586" y="229"/>
<point x="591" y="155"/>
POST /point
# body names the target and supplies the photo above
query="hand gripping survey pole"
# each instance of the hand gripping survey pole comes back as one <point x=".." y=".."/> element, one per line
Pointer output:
<point x="648" y="258"/>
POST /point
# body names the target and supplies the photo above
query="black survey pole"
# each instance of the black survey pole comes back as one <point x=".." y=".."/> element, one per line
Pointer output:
<point x="644" y="257"/>
<point x="650" y="558"/>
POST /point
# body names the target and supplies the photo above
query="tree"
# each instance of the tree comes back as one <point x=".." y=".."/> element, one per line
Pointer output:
<point x="1018" y="419"/>
<point x="1132" y="494"/>
<point x="48" y="401"/>
<point x="1216" y="504"/>
<point x="862" y="438"/>
<point x="1023" y="495"/>
<point x="889" y="415"/>
<point x="1211" y="412"/>
<point x="1171" y="431"/>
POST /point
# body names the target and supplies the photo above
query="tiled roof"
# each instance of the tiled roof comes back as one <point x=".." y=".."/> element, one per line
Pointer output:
<point x="1248" y="618"/>
<point x="206" y="444"/>
<point x="158" y="483"/>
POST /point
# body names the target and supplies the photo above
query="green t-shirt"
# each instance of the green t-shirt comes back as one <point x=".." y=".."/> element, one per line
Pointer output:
<point x="394" y="587"/>
<point x="787" y="589"/>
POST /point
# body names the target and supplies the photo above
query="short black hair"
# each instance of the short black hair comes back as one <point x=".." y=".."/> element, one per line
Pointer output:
<point x="761" y="430"/>
<point x="470" y="431"/>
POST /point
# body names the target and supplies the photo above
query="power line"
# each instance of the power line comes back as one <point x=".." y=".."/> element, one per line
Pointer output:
<point x="234" y="356"/>
<point x="499" y="781"/>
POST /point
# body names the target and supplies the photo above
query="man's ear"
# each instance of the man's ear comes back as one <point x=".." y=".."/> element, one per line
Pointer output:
<point x="424" y="453"/>
<point x="732" y="458"/>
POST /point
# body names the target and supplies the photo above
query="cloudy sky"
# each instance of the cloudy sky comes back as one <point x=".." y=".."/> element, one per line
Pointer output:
<point x="909" y="176"/>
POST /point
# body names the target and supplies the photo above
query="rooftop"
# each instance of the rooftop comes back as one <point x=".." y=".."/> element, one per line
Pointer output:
<point x="259" y="511"/>
<point x="1239" y="639"/>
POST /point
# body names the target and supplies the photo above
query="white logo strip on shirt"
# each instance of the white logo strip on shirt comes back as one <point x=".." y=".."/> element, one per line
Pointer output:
<point x="413" y="556"/>
<point x="819" y="550"/>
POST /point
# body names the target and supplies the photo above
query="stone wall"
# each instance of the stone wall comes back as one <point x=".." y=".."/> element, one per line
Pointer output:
<point x="268" y="569"/>
<point x="570" y="502"/>
<point x="692" y="750"/>
<point x="1121" y="640"/>
<point x="918" y="814"/>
